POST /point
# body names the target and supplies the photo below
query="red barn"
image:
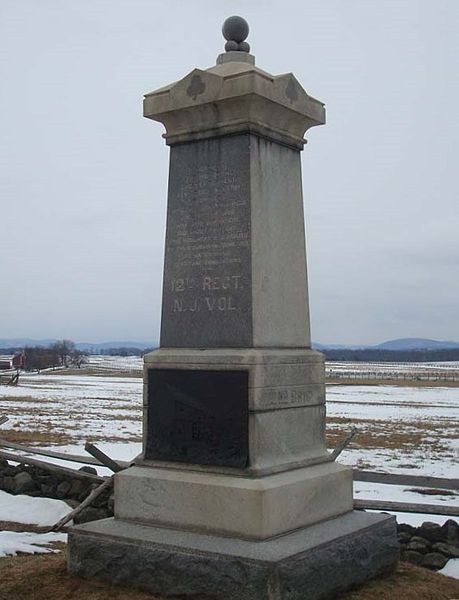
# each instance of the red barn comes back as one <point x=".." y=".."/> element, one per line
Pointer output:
<point x="18" y="360"/>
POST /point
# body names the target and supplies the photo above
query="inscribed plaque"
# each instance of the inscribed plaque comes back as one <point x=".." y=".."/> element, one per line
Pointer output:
<point x="207" y="275"/>
<point x="198" y="417"/>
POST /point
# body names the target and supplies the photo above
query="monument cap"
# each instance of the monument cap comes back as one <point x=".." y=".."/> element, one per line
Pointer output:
<point x="235" y="30"/>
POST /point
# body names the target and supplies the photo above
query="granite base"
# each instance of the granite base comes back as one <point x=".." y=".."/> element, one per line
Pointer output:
<point x="241" y="507"/>
<point x="314" y="563"/>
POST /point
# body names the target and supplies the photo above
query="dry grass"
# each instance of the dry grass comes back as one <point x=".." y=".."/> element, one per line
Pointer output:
<point x="385" y="434"/>
<point x="407" y="583"/>
<point x="49" y="437"/>
<point x="96" y="372"/>
<point x="44" y="577"/>
<point x="58" y="438"/>
<point x="13" y="526"/>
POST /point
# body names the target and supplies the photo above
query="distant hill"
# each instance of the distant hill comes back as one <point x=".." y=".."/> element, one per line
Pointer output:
<point x="106" y="345"/>
<point x="320" y="347"/>
<point x="400" y="344"/>
<point x="399" y="350"/>
<point x="416" y="344"/>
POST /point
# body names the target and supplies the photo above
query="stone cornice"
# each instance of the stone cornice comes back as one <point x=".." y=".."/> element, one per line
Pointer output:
<point x="234" y="97"/>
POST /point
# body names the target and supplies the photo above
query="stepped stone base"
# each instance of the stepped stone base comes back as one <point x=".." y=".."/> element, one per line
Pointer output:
<point x="243" y="507"/>
<point x="313" y="563"/>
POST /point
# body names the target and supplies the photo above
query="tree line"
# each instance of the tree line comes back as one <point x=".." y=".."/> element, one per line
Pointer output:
<point x="123" y="351"/>
<point x="380" y="355"/>
<point x="62" y="353"/>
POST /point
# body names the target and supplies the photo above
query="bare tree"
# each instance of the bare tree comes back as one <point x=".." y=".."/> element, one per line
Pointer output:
<point x="78" y="358"/>
<point x="64" y="349"/>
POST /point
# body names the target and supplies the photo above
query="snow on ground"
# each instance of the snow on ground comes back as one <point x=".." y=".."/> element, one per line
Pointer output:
<point x="399" y="493"/>
<point x="117" y="363"/>
<point x="410" y="430"/>
<point x="400" y="429"/>
<point x="118" y="451"/>
<point x="451" y="569"/>
<point x="75" y="407"/>
<point x="394" y="402"/>
<point x="12" y="542"/>
<point x="430" y="371"/>
<point x="31" y="511"/>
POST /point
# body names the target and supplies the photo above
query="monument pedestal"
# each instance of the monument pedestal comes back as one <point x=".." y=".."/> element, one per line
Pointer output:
<point x="235" y="495"/>
<point x="314" y="563"/>
<point x="245" y="507"/>
<point x="277" y="409"/>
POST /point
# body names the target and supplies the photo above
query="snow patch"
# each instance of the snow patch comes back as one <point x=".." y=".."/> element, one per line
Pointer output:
<point x="33" y="511"/>
<point x="12" y="542"/>
<point x="451" y="569"/>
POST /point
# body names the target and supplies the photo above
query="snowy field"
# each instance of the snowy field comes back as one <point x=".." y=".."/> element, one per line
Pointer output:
<point x="57" y="409"/>
<point x="409" y="371"/>
<point x="411" y="430"/>
<point x="132" y="364"/>
<point x="400" y="429"/>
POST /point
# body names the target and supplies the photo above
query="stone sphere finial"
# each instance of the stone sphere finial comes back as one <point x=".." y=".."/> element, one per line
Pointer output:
<point x="235" y="29"/>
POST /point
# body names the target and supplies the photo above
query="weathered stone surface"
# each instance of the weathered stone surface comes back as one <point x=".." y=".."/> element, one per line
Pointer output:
<point x="23" y="483"/>
<point x="446" y="549"/>
<point x="315" y="563"/>
<point x="451" y="531"/>
<point x="77" y="489"/>
<point x="417" y="547"/>
<point x="48" y="490"/>
<point x="88" y="469"/>
<point x="431" y="532"/>
<point x="415" y="558"/>
<point x="278" y="377"/>
<point x="235" y="261"/>
<point x="286" y="437"/>
<point x="290" y="379"/>
<point x="420" y="540"/>
<point x="8" y="484"/>
<point x="91" y="514"/>
<point x="207" y="289"/>
<point x="63" y="489"/>
<point x="232" y="97"/>
<point x="404" y="537"/>
<point x="246" y="507"/>
<point x="434" y="561"/>
<point x="279" y="273"/>
<point x="405" y="528"/>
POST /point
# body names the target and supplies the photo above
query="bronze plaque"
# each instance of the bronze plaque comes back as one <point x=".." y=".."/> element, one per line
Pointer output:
<point x="198" y="417"/>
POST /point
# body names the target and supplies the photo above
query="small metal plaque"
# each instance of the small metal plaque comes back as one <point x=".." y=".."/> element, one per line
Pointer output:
<point x="198" y="417"/>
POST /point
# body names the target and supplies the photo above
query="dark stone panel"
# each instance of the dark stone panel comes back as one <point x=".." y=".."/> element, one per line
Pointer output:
<point x="207" y="273"/>
<point x="318" y="574"/>
<point x="198" y="417"/>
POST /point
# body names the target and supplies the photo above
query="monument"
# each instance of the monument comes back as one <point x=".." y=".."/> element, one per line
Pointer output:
<point x="235" y="495"/>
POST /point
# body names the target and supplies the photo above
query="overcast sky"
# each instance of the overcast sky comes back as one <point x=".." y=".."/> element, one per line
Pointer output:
<point x="83" y="176"/>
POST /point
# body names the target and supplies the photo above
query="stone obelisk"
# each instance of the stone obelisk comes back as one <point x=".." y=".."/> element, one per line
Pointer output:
<point x="235" y="495"/>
